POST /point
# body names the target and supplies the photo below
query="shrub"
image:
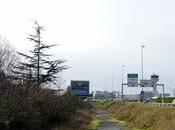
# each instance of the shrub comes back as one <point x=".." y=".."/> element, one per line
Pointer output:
<point x="22" y="108"/>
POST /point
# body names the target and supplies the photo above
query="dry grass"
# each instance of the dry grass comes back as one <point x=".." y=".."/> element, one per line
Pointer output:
<point x="94" y="124"/>
<point x="143" y="116"/>
<point x="80" y="121"/>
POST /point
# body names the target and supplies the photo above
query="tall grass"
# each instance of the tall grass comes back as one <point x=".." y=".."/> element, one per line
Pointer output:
<point x="143" y="116"/>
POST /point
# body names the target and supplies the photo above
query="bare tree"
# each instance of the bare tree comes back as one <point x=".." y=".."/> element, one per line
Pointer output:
<point x="8" y="58"/>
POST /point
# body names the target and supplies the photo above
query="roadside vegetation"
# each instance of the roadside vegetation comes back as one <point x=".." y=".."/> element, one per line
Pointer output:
<point x="94" y="123"/>
<point x="140" y="116"/>
<point x="166" y="100"/>
<point x="26" y="101"/>
<point x="81" y="119"/>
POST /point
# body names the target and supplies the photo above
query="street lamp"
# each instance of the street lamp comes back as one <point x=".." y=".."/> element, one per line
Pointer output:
<point x="142" y="92"/>
<point x="142" y="63"/>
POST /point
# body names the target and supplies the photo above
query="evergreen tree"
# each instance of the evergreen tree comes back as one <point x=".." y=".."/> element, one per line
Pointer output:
<point x="37" y="67"/>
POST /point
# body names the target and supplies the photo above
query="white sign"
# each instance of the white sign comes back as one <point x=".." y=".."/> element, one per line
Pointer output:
<point x="132" y="80"/>
<point x="146" y="83"/>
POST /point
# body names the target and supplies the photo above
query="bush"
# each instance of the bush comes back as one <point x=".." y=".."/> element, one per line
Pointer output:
<point x="24" y="109"/>
<point x="166" y="100"/>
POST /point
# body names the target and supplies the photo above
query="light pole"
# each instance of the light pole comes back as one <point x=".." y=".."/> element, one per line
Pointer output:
<point x="142" y="92"/>
<point x="122" y="81"/>
<point x="142" y="63"/>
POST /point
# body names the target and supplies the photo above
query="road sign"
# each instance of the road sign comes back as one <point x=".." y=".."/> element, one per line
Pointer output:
<point x="146" y="83"/>
<point x="80" y="88"/>
<point x="132" y="80"/>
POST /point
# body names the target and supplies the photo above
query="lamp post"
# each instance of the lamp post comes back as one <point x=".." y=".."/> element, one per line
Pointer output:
<point x="142" y="63"/>
<point x="142" y="92"/>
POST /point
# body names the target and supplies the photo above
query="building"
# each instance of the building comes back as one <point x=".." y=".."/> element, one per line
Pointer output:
<point x="155" y="79"/>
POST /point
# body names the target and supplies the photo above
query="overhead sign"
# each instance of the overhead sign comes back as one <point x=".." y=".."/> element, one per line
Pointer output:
<point x="146" y="83"/>
<point x="132" y="80"/>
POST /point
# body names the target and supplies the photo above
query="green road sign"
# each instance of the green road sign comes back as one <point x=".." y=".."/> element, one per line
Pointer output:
<point x="133" y="76"/>
<point x="132" y="80"/>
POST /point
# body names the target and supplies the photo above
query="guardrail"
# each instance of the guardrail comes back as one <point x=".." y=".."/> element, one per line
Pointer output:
<point x="163" y="104"/>
<point x="152" y="103"/>
<point x="156" y="104"/>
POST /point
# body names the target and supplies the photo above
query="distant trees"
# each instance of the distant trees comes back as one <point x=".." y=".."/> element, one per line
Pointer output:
<point x="8" y="58"/>
<point x="37" y="66"/>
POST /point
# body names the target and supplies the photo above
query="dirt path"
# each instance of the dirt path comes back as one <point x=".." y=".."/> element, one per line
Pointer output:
<point x="106" y="124"/>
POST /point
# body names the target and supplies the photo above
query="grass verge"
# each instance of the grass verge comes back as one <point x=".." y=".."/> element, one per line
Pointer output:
<point x="118" y="122"/>
<point x="94" y="124"/>
<point x="140" y="116"/>
<point x="123" y="124"/>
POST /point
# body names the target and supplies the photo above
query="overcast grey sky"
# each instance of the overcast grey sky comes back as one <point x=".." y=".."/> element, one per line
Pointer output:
<point x="98" y="36"/>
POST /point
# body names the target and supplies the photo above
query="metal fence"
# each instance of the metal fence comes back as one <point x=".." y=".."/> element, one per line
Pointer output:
<point x="163" y="104"/>
<point x="156" y="104"/>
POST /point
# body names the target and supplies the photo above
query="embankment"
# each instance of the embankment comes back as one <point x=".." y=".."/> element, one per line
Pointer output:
<point x="141" y="116"/>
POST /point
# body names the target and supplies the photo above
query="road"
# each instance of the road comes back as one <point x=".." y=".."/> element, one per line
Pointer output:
<point x="106" y="124"/>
